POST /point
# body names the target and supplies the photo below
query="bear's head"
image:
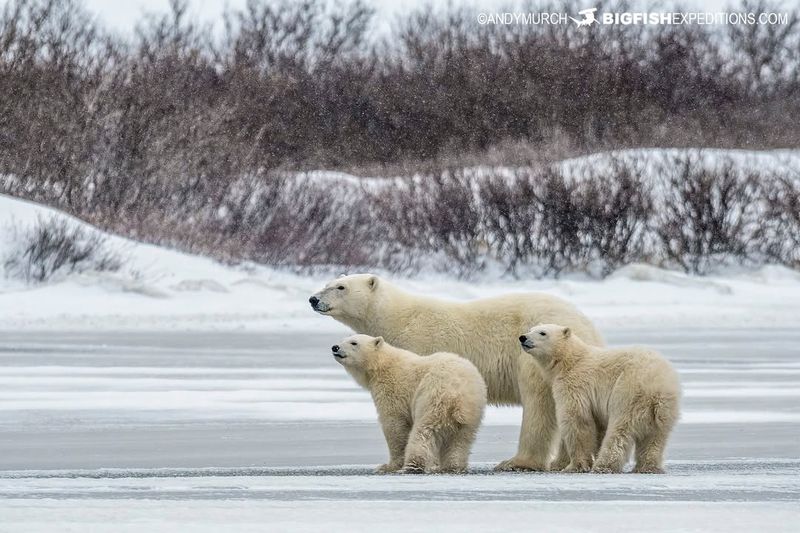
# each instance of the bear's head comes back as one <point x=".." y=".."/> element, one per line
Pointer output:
<point x="544" y="342"/>
<point x="346" y="297"/>
<point x="355" y="352"/>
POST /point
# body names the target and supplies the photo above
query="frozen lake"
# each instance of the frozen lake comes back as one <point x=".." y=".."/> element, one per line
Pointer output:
<point x="153" y="429"/>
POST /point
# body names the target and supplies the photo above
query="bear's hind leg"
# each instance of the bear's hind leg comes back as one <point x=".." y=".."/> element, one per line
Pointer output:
<point x="650" y="453"/>
<point x="455" y="451"/>
<point x="422" y="451"/>
<point x="616" y="448"/>
<point x="650" y="448"/>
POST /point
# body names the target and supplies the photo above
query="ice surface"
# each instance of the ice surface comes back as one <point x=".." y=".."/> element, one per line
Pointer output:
<point x="159" y="431"/>
<point x="348" y="516"/>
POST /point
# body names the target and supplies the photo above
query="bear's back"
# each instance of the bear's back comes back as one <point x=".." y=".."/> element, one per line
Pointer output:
<point x="639" y="365"/>
<point x="451" y="371"/>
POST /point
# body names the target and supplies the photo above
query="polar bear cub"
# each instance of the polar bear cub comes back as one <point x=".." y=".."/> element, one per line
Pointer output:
<point x="613" y="399"/>
<point x="429" y="407"/>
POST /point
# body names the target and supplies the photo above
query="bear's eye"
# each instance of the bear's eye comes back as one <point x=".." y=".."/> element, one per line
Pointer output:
<point x="543" y="334"/>
<point x="340" y="287"/>
<point x="354" y="343"/>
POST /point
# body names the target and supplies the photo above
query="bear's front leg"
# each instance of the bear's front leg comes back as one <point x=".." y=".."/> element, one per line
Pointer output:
<point x="538" y="421"/>
<point x="579" y="435"/>
<point x="395" y="431"/>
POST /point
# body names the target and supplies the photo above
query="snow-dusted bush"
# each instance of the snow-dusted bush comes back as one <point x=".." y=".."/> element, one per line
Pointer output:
<point x="53" y="247"/>
<point x="537" y="221"/>
<point x="548" y="221"/>
<point x="436" y="220"/>
<point x="531" y="221"/>
<point x="780" y="230"/>
<point x="710" y="217"/>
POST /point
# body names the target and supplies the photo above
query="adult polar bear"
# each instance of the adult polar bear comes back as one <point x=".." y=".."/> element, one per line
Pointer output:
<point x="484" y="331"/>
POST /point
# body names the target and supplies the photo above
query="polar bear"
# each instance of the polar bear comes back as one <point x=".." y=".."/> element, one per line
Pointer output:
<point x="483" y="331"/>
<point x="613" y="399"/>
<point x="429" y="407"/>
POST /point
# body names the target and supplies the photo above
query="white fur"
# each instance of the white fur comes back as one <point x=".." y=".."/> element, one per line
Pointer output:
<point x="608" y="400"/>
<point x="483" y="331"/>
<point x="429" y="408"/>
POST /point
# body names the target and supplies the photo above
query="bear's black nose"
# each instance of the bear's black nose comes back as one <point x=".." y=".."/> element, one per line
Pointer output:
<point x="335" y="348"/>
<point x="313" y="301"/>
<point x="522" y="338"/>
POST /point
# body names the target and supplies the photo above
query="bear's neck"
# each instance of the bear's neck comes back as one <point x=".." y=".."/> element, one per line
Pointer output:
<point x="381" y="371"/>
<point x="392" y="310"/>
<point x="575" y="351"/>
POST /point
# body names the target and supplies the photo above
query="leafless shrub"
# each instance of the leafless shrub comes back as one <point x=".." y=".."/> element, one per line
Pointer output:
<point x="709" y="217"/>
<point x="53" y="247"/>
<point x="533" y="220"/>
<point x="765" y="55"/>
<point x="616" y="210"/>
<point x="780" y="226"/>
<point x="434" y="214"/>
<point x="510" y="217"/>
<point x="310" y="224"/>
<point x="552" y="223"/>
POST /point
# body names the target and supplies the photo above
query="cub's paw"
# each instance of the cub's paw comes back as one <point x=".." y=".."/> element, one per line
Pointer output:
<point x="577" y="468"/>
<point x="605" y="469"/>
<point x="516" y="464"/>
<point x="388" y="468"/>
<point x="648" y="470"/>
<point x="412" y="468"/>
<point x="558" y="464"/>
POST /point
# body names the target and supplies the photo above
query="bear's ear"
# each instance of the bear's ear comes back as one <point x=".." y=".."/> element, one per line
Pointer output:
<point x="567" y="332"/>
<point x="378" y="342"/>
<point x="372" y="283"/>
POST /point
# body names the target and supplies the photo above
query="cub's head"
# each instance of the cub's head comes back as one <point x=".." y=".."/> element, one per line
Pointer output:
<point x="346" y="297"/>
<point x="544" y="342"/>
<point x="354" y="352"/>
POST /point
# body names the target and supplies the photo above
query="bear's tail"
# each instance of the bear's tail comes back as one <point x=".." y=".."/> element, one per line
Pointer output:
<point x="664" y="408"/>
<point x="456" y="414"/>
